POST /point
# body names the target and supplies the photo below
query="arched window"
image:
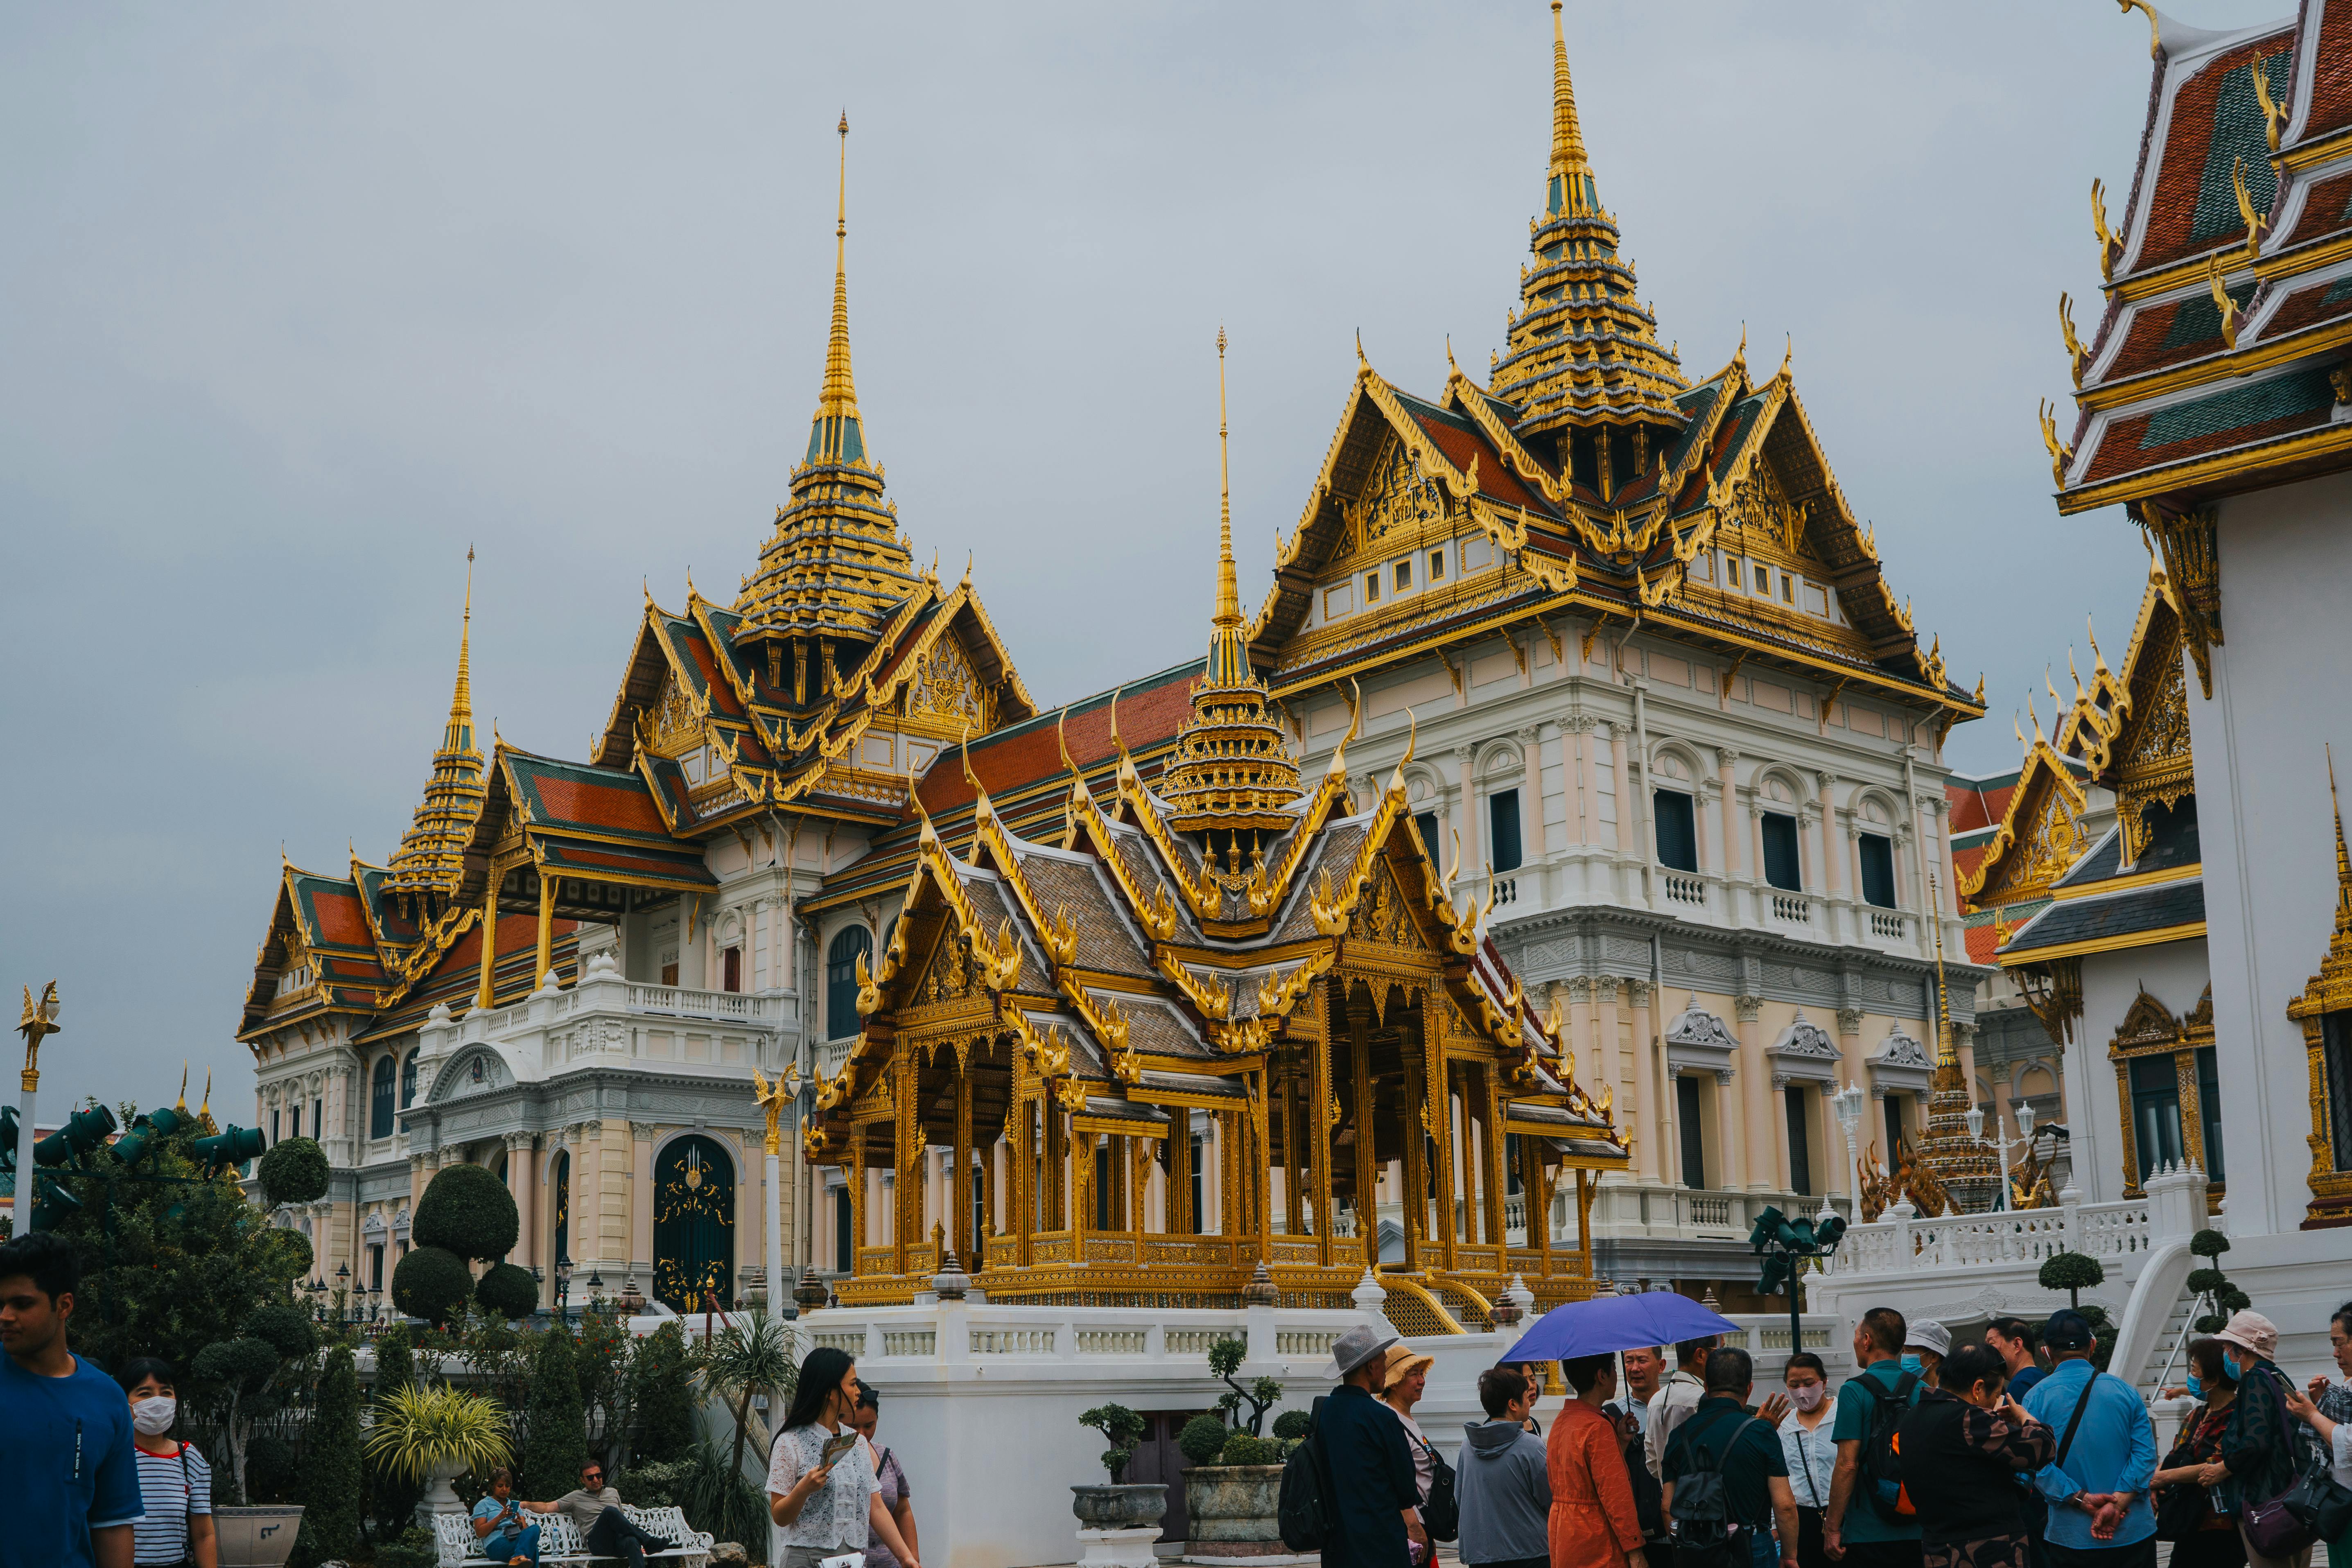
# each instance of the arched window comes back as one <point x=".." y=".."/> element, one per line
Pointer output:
<point x="694" y="1222"/>
<point x="380" y="1098"/>
<point x="560" y="1179"/>
<point x="849" y="945"/>
<point x="408" y="1080"/>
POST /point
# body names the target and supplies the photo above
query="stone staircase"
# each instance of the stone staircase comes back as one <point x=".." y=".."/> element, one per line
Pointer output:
<point x="2170" y="1363"/>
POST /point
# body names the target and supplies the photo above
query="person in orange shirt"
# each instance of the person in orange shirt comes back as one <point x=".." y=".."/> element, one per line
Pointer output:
<point x="1593" y="1521"/>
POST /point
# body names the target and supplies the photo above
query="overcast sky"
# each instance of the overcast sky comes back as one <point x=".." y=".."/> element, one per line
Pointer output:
<point x="302" y="299"/>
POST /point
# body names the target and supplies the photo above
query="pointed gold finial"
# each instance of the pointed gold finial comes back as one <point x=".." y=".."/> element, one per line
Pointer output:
<point x="1118" y="744"/>
<point x="2343" y="864"/>
<point x="839" y="436"/>
<point x="1361" y="363"/>
<point x="2155" y="24"/>
<point x="1789" y="354"/>
<point x="1449" y="355"/>
<point x="1339" y="768"/>
<point x="1570" y="174"/>
<point x="1229" y="600"/>
<point x="181" y="1105"/>
<point x="1062" y="737"/>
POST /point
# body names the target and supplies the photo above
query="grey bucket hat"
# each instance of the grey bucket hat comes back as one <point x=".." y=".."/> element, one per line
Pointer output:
<point x="1353" y="1348"/>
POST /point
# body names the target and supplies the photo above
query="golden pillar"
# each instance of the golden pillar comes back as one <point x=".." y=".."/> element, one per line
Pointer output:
<point x="1262" y="1161"/>
<point x="1366" y="1161"/>
<point x="1498" y="1176"/>
<point x="1413" y="1118"/>
<point x="490" y="940"/>
<point x="1433" y="1045"/>
<point x="960" y="1186"/>
<point x="854" y="1178"/>
<point x="1022" y="1195"/>
<point x="1318" y="1117"/>
<point x="1293" y="1147"/>
<point x="906" y="1159"/>
<point x="1082" y="1192"/>
<point x="546" y="961"/>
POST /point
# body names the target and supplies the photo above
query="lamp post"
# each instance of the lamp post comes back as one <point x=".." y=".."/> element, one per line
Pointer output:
<point x="1848" y="1102"/>
<point x="40" y="1020"/>
<point x="1999" y="1144"/>
<point x="562" y="1286"/>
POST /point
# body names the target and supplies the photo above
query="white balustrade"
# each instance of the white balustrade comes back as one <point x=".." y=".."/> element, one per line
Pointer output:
<point x="1110" y="1342"/>
<point x="1887" y="926"/>
<point x="1789" y="909"/>
<point x="909" y="1341"/>
<point x="1682" y="889"/>
<point x="1015" y="1341"/>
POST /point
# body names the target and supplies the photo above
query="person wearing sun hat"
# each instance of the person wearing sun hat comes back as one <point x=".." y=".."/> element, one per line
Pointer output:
<point x="1374" y="1504"/>
<point x="1404" y="1374"/>
<point x="2261" y="1448"/>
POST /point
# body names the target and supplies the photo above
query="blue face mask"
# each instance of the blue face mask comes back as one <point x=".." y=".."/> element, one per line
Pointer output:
<point x="1912" y="1364"/>
<point x="2229" y="1365"/>
<point x="2196" y="1384"/>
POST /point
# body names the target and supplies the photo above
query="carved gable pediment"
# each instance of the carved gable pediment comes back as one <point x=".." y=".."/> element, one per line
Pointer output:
<point x="1385" y="916"/>
<point x="2148" y="1024"/>
<point x="944" y="686"/>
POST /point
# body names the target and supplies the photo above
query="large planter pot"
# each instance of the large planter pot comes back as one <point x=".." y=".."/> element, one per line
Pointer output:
<point x="1128" y="1507"/>
<point x="256" y="1537"/>
<point x="1234" y="1505"/>
<point x="440" y="1497"/>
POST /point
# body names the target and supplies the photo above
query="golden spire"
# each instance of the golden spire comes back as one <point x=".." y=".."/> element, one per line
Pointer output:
<point x="431" y="856"/>
<point x="1229" y="598"/>
<point x="839" y="436"/>
<point x="1570" y="174"/>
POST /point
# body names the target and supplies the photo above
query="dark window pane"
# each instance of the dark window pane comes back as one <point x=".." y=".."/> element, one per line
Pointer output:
<point x="1503" y="823"/>
<point x="2336" y="1053"/>
<point x="843" y="1254"/>
<point x="849" y="945"/>
<point x="408" y="1081"/>
<point x="1800" y="1149"/>
<point x="731" y="969"/>
<point x="1894" y="1103"/>
<point x="1102" y="1186"/>
<point x="1780" y="852"/>
<point x="1511" y="1161"/>
<point x="1693" y="1134"/>
<point x="2156" y="1113"/>
<point x="1425" y="824"/>
<point x="380" y="1098"/>
<point x="1677" y="829"/>
<point x="1877" y="870"/>
<point x="2209" y="1108"/>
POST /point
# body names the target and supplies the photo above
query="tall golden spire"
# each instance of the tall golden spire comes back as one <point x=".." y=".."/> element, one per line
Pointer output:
<point x="1567" y="161"/>
<point x="1229" y="598"/>
<point x="431" y="856"/>
<point x="1969" y="1174"/>
<point x="838" y="435"/>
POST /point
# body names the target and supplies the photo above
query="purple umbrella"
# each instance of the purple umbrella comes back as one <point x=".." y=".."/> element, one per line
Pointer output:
<point x="1617" y="1323"/>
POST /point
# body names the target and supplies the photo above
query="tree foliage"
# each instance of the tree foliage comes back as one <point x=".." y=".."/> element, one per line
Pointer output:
<point x="509" y="1292"/>
<point x="1123" y="1427"/>
<point x="1263" y="1394"/>
<point x="750" y="1356"/>
<point x="555" y="1439"/>
<point x="293" y="1172"/>
<point x="2072" y="1272"/>
<point x="1203" y="1439"/>
<point x="467" y="1210"/>
<point x="1242" y="1449"/>
<point x="331" y="1467"/>
<point x="431" y="1283"/>
<point x="392" y="1499"/>
<point x="662" y="1395"/>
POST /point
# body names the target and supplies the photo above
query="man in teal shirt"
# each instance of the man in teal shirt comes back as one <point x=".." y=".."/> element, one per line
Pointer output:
<point x="1853" y="1530"/>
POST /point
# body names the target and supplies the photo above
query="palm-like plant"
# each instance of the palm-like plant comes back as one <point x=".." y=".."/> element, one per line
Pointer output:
<point x="750" y="1356"/>
<point x="419" y="1429"/>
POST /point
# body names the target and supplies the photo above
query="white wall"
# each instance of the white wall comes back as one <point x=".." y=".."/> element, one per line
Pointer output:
<point x="2174" y="973"/>
<point x="2262" y="812"/>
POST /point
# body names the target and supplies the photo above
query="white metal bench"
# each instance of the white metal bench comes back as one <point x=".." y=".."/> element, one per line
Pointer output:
<point x="560" y="1540"/>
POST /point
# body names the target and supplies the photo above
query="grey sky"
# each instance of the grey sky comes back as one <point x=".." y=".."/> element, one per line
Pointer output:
<point x="302" y="299"/>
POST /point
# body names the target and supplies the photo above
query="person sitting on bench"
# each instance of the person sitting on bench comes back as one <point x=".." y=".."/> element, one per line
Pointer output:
<point x="605" y="1529"/>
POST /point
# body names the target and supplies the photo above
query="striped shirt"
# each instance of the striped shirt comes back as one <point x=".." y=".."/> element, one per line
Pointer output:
<point x="174" y="1486"/>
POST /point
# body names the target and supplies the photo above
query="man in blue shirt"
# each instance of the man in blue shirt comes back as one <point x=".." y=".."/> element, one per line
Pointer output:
<point x="68" y="1475"/>
<point x="2011" y="1339"/>
<point x="1853" y="1530"/>
<point x="2097" y="1487"/>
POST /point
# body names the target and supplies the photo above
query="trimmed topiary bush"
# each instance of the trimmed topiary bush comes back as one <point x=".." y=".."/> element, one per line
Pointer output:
<point x="392" y="1500"/>
<point x="1203" y="1439"/>
<point x="293" y="1172"/>
<point x="287" y="1329"/>
<point x="2209" y="1243"/>
<point x="2072" y="1272"/>
<point x="1291" y="1424"/>
<point x="289" y="1252"/>
<point x="555" y="1437"/>
<point x="664" y="1483"/>
<point x="431" y="1283"/>
<point x="1241" y="1449"/>
<point x="331" y="1467"/>
<point x="466" y="1210"/>
<point x="509" y="1292"/>
<point x="662" y="1396"/>
<point x="1123" y="1427"/>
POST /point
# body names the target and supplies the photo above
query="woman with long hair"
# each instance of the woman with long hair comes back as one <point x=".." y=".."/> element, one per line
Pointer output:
<point x="824" y="1507"/>
<point x="175" y="1482"/>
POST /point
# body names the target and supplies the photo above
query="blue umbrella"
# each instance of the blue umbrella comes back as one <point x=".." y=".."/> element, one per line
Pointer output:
<point x="1617" y="1323"/>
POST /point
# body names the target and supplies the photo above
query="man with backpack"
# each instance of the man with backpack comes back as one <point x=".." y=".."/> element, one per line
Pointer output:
<point x="1727" y="1479"/>
<point x="2100" y="1515"/>
<point x="1676" y="1399"/>
<point x="1369" y="1506"/>
<point x="1865" y="1524"/>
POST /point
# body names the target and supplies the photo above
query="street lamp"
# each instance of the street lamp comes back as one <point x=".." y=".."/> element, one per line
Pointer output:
<point x="1848" y="1102"/>
<point x="563" y="1284"/>
<point x="2023" y="1114"/>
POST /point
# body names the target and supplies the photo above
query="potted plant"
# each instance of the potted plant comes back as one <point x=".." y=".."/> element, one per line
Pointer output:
<point x="1233" y="1490"/>
<point x="434" y="1435"/>
<point x="1118" y="1505"/>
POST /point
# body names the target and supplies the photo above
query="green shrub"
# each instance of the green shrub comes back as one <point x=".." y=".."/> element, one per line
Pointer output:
<point x="392" y="1499"/>
<point x="2072" y="1272"/>
<point x="289" y="1252"/>
<point x="664" y="1483"/>
<point x="555" y="1438"/>
<point x="719" y="1498"/>
<point x="1123" y="1426"/>
<point x="273" y="1471"/>
<point x="331" y="1467"/>
<point x="509" y="1292"/>
<point x="468" y="1211"/>
<point x="2209" y="1243"/>
<point x="288" y="1330"/>
<point x="415" y="1549"/>
<point x="431" y="1282"/>
<point x="2210" y="1323"/>
<point x="1203" y="1439"/>
<point x="2200" y="1280"/>
<point x="1291" y="1424"/>
<point x="293" y="1172"/>
<point x="1241" y="1449"/>
<point x="2232" y="1299"/>
<point x="663" y="1395"/>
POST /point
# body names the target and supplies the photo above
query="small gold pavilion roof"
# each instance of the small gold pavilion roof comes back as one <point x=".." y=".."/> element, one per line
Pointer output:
<point x="1232" y="772"/>
<point x="836" y="564"/>
<point x="431" y="856"/>
<point x="1582" y="350"/>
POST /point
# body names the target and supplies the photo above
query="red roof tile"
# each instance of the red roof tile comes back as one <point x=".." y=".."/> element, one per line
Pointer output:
<point x="342" y="921"/>
<point x="1148" y="716"/>
<point x="617" y="806"/>
<point x="2182" y="199"/>
<point x="2326" y="208"/>
<point x="2331" y="84"/>
<point x="1462" y="447"/>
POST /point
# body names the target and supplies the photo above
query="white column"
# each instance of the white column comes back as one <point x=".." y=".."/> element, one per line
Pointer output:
<point x="775" y="1171"/>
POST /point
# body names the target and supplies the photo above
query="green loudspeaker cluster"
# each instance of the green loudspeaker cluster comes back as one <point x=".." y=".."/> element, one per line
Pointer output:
<point x="85" y="1130"/>
<point x="233" y="1147"/>
<point x="133" y="1145"/>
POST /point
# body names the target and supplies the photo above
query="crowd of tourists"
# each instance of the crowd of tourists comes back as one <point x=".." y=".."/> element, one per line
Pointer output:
<point x="2011" y="1450"/>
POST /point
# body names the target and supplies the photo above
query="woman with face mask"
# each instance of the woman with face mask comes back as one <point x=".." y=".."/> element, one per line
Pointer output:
<point x="2201" y="1536"/>
<point x="174" y="1480"/>
<point x="1806" y="1447"/>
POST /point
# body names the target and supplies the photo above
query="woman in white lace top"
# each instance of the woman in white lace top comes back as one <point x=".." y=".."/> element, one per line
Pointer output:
<point x="821" y="1509"/>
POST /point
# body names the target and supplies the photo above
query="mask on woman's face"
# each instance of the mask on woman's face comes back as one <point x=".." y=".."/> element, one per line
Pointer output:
<point x="1807" y="1396"/>
<point x="2229" y="1365"/>
<point x="1912" y="1364"/>
<point x="2196" y="1387"/>
<point x="154" y="1416"/>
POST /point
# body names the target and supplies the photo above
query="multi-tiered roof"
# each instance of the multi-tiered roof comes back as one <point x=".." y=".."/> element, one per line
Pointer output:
<point x="424" y="870"/>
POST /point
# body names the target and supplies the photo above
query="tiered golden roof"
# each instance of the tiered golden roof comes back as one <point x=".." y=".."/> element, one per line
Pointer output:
<point x="836" y="564"/>
<point x="1583" y="351"/>
<point x="431" y="856"/>
<point x="1232" y="771"/>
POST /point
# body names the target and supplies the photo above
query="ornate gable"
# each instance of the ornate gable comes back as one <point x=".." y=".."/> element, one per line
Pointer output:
<point x="2040" y="834"/>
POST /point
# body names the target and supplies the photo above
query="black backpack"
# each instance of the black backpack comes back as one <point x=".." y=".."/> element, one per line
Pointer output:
<point x="1882" y="1460"/>
<point x="1303" y="1511"/>
<point x="1440" y="1515"/>
<point x="1702" y="1523"/>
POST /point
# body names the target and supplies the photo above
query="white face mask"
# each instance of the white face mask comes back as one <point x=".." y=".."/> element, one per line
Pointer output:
<point x="1807" y="1396"/>
<point x="154" y="1416"/>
